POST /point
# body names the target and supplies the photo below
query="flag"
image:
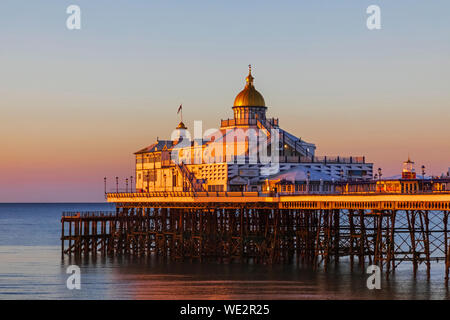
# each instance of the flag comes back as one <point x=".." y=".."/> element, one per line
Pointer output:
<point x="179" y="108"/>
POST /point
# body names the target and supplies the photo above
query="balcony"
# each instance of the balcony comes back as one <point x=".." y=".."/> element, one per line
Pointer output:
<point x="299" y="159"/>
<point x="246" y="122"/>
<point x="338" y="159"/>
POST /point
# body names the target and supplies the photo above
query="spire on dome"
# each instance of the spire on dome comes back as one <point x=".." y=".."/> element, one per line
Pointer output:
<point x="249" y="78"/>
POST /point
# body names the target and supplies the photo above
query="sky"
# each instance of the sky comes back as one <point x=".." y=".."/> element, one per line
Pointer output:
<point x="76" y="104"/>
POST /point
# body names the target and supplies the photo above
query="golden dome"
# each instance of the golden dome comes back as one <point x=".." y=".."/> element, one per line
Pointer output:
<point x="249" y="97"/>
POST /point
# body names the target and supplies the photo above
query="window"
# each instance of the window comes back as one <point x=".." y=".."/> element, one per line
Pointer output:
<point x="174" y="180"/>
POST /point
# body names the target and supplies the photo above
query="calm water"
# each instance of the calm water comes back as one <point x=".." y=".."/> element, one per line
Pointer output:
<point x="31" y="268"/>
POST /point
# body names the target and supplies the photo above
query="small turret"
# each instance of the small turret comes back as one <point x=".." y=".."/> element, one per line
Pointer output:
<point x="408" y="169"/>
<point x="181" y="126"/>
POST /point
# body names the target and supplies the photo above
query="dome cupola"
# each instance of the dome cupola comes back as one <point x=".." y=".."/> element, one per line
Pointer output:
<point x="249" y="105"/>
<point x="249" y="97"/>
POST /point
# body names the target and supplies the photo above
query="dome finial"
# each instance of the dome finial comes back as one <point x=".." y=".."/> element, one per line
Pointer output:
<point x="249" y="78"/>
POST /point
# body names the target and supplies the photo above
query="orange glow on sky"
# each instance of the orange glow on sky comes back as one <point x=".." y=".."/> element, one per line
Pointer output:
<point x="75" y="106"/>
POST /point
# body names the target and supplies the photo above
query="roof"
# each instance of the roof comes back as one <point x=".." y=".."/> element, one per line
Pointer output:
<point x="158" y="146"/>
<point x="300" y="174"/>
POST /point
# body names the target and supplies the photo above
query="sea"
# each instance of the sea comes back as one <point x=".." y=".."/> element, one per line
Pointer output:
<point x="31" y="267"/>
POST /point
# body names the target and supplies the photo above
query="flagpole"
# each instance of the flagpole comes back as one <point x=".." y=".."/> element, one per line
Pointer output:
<point x="180" y="109"/>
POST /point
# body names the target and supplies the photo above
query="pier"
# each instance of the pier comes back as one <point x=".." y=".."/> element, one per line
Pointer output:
<point x="251" y="227"/>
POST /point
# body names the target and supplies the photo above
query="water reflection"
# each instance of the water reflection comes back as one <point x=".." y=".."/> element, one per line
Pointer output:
<point x="153" y="278"/>
<point x="39" y="273"/>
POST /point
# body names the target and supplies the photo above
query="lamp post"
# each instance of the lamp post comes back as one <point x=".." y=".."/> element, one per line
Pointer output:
<point x="308" y="177"/>
<point x="423" y="177"/>
<point x="126" y="185"/>
<point x="131" y="184"/>
<point x="104" y="182"/>
<point x="117" y="184"/>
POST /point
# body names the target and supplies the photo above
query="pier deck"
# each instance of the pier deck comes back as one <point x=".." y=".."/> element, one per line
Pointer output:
<point x="380" y="201"/>
<point x="380" y="229"/>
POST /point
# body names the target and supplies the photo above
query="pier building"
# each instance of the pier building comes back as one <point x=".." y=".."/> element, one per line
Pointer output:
<point x="244" y="154"/>
<point x="252" y="192"/>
